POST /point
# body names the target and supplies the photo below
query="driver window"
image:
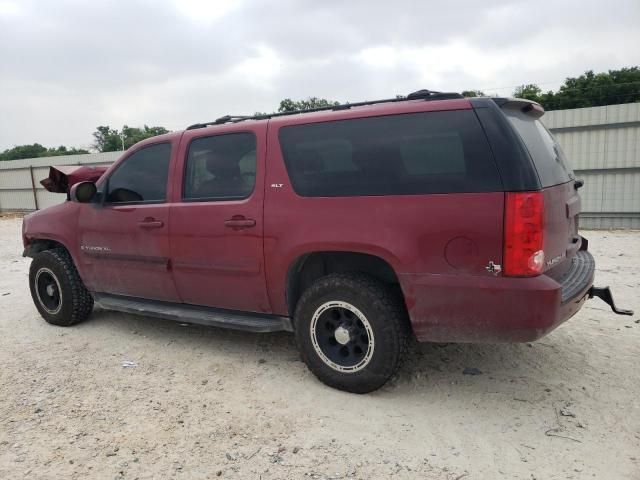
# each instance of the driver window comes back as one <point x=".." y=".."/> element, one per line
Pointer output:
<point x="142" y="177"/>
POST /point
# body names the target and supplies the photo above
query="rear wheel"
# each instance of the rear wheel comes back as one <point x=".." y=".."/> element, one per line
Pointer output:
<point x="57" y="290"/>
<point x="352" y="332"/>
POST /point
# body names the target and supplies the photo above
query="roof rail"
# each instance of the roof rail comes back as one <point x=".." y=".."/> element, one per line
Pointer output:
<point x="427" y="95"/>
<point x="431" y="95"/>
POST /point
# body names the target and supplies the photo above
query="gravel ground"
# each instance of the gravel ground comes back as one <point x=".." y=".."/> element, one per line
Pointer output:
<point x="208" y="403"/>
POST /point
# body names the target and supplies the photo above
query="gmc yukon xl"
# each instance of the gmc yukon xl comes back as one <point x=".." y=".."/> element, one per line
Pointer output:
<point x="356" y="227"/>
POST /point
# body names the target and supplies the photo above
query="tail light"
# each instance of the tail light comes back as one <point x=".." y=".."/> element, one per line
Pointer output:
<point x="523" y="234"/>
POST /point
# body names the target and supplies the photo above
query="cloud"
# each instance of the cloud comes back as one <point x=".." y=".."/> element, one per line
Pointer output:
<point x="68" y="66"/>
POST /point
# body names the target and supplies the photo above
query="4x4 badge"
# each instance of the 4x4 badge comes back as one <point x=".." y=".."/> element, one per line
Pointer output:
<point x="493" y="268"/>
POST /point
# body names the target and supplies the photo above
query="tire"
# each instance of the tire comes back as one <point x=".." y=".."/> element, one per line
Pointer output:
<point x="352" y="332"/>
<point x="57" y="290"/>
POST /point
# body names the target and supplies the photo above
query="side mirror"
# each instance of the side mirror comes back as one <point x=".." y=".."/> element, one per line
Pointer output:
<point x="83" y="192"/>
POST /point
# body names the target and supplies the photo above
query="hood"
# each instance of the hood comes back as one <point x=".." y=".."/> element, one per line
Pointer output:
<point x="62" y="178"/>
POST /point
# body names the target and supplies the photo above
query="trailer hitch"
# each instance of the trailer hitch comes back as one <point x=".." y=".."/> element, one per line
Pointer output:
<point x="604" y="293"/>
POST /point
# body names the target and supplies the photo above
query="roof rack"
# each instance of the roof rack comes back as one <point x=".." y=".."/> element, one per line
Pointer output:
<point x="418" y="95"/>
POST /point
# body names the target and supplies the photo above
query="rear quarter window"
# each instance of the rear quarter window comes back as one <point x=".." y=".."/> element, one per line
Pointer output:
<point x="547" y="155"/>
<point x="418" y="153"/>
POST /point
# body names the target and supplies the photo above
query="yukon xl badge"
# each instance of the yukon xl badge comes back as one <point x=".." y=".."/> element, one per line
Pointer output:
<point x="91" y="248"/>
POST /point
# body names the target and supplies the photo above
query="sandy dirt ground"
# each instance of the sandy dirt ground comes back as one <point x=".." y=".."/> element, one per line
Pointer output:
<point x="209" y="403"/>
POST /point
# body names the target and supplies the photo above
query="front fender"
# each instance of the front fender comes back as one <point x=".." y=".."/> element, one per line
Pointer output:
<point x="57" y="224"/>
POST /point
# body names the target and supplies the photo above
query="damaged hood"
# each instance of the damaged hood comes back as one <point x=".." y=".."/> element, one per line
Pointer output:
<point x="62" y="178"/>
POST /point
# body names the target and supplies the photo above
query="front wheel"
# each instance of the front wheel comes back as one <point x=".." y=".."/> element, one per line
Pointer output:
<point x="352" y="332"/>
<point x="57" y="290"/>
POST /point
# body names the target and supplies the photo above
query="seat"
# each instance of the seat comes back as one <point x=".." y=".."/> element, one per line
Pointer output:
<point x="227" y="178"/>
<point x="381" y="162"/>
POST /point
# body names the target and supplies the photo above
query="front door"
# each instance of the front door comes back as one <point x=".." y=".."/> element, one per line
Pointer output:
<point x="124" y="240"/>
<point x="216" y="219"/>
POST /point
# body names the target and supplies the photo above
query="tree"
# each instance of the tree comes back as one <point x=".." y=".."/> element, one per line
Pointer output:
<point x="36" y="150"/>
<point x="288" y="105"/>
<point x="529" y="92"/>
<point x="588" y="90"/>
<point x="595" y="89"/>
<point x="107" y="139"/>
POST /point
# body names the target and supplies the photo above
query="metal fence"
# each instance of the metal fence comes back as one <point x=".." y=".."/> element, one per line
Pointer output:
<point x="602" y="144"/>
<point x="20" y="188"/>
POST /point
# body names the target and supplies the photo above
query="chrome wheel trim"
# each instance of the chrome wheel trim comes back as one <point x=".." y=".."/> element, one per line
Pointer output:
<point x="368" y="354"/>
<point x="36" y="287"/>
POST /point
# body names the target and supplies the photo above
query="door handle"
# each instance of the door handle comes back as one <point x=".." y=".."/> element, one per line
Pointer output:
<point x="238" y="222"/>
<point x="150" y="223"/>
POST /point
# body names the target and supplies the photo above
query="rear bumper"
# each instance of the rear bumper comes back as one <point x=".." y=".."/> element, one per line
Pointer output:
<point x="463" y="308"/>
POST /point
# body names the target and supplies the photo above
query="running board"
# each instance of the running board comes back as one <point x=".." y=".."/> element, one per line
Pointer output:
<point x="604" y="293"/>
<point x="179" y="312"/>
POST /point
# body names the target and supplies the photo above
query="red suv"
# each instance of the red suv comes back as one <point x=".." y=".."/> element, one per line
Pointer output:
<point x="354" y="226"/>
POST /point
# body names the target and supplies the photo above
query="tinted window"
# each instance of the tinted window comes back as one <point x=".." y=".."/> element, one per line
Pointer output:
<point x="221" y="167"/>
<point x="549" y="159"/>
<point x="142" y="177"/>
<point x="433" y="152"/>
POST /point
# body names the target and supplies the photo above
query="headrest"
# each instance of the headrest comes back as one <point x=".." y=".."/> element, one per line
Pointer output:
<point x="309" y="161"/>
<point x="222" y="166"/>
<point x="380" y="160"/>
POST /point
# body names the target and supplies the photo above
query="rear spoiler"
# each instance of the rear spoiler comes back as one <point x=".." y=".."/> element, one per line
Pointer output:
<point x="62" y="178"/>
<point x="531" y="108"/>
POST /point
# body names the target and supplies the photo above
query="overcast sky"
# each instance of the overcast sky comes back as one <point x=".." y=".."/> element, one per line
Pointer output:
<point x="69" y="66"/>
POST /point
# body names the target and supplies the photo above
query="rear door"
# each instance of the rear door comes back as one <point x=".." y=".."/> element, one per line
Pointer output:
<point x="216" y="219"/>
<point x="561" y="199"/>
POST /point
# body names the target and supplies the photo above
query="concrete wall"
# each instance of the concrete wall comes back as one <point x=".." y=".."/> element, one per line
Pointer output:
<point x="602" y="144"/>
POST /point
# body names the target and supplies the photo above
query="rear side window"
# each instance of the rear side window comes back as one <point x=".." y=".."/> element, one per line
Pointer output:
<point x="418" y="153"/>
<point x="222" y="167"/>
<point x="548" y="158"/>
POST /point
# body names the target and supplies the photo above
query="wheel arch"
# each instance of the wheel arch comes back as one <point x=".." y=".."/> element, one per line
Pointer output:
<point x="40" y="244"/>
<point x="309" y="266"/>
